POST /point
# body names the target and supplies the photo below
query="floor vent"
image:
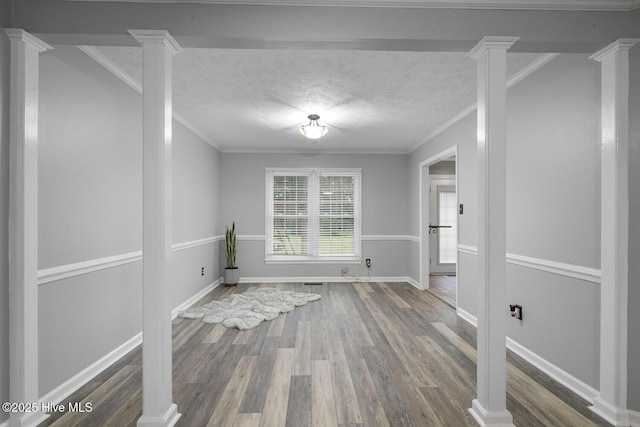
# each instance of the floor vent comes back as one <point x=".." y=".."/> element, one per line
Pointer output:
<point x="314" y="283"/>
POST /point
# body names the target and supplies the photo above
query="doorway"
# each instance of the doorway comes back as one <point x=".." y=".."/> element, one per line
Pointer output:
<point x="443" y="221"/>
<point x="438" y="225"/>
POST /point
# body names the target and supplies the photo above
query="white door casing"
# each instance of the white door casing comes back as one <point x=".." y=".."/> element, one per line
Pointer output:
<point x="439" y="185"/>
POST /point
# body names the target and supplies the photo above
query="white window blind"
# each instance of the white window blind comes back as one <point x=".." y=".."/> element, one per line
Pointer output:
<point x="290" y="215"/>
<point x="312" y="214"/>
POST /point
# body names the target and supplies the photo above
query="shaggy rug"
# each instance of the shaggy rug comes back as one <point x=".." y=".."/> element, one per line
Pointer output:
<point x="248" y="310"/>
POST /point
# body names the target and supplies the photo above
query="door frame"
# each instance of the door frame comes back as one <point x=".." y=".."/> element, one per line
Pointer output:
<point x="424" y="213"/>
<point x="435" y="182"/>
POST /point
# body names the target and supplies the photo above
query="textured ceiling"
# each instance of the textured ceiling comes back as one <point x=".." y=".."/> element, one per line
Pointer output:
<point x="372" y="101"/>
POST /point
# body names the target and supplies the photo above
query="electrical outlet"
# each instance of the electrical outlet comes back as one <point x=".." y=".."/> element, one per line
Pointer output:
<point x="202" y="272"/>
<point x="516" y="311"/>
<point x="368" y="262"/>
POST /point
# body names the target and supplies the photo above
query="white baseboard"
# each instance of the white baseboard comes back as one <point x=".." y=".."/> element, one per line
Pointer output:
<point x="296" y="279"/>
<point x="634" y="417"/>
<point x="329" y="279"/>
<point x="188" y="303"/>
<point x="391" y="279"/>
<point x="414" y="283"/>
<point x="65" y="389"/>
<point x="613" y="415"/>
<point x="572" y="383"/>
<point x="569" y="381"/>
<point x="465" y="315"/>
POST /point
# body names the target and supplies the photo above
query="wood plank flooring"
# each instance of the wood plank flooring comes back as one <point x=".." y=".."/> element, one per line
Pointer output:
<point x="444" y="287"/>
<point x="366" y="354"/>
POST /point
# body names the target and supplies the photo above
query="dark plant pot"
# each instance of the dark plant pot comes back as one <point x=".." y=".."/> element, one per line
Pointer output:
<point x="231" y="276"/>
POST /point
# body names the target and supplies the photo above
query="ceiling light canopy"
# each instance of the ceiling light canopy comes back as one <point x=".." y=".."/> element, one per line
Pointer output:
<point x="313" y="130"/>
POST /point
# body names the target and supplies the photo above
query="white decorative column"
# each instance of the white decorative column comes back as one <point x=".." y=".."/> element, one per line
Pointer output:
<point x="489" y="408"/>
<point x="157" y="406"/>
<point x="23" y="224"/>
<point x="611" y="404"/>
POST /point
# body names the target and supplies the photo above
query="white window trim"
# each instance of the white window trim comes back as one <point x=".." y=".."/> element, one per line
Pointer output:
<point x="313" y="259"/>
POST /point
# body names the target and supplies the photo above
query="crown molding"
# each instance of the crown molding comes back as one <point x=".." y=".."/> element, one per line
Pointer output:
<point x="517" y="77"/>
<point x="304" y="151"/>
<point x="101" y="59"/>
<point x="571" y="5"/>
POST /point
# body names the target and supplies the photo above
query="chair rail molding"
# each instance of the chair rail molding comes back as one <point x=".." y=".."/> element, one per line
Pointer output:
<point x="587" y="274"/>
<point x="66" y="271"/>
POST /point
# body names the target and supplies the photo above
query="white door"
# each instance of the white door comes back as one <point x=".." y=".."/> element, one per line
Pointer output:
<point x="443" y="226"/>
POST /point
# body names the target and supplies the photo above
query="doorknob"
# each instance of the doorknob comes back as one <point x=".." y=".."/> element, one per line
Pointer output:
<point x="433" y="229"/>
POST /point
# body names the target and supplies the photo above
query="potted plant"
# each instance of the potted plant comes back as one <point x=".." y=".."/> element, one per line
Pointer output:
<point x="231" y="272"/>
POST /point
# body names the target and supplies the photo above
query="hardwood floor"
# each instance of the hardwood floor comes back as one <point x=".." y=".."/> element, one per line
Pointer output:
<point x="444" y="287"/>
<point x="366" y="354"/>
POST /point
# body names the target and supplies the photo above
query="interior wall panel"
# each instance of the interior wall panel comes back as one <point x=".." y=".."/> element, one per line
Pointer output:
<point x="4" y="205"/>
<point x="90" y="209"/>
<point x="553" y="207"/>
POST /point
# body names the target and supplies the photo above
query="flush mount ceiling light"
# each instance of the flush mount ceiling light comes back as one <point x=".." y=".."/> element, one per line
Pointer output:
<point x="313" y="130"/>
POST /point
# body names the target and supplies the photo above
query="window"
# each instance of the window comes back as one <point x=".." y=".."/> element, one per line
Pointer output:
<point x="312" y="215"/>
<point x="447" y="216"/>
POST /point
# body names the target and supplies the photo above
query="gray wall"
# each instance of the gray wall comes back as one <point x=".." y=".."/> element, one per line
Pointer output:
<point x="90" y="207"/>
<point x="461" y="134"/>
<point x="196" y="169"/>
<point x="384" y="201"/>
<point x="553" y="210"/>
<point x="553" y="168"/>
<point x="634" y="231"/>
<point x="5" y="13"/>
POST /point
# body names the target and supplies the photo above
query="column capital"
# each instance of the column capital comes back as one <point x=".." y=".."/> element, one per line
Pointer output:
<point x="157" y="36"/>
<point x="492" y="42"/>
<point x="616" y="46"/>
<point x="20" y="35"/>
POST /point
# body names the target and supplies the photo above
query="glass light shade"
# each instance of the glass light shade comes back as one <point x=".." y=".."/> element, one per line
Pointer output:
<point x="313" y="130"/>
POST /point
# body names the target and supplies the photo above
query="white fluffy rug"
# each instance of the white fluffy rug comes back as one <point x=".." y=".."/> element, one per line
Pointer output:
<point x="248" y="310"/>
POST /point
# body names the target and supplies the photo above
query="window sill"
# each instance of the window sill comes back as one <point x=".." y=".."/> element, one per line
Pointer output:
<point x="307" y="260"/>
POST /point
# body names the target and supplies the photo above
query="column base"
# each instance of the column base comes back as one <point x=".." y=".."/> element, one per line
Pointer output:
<point x="490" y="419"/>
<point x="169" y="419"/>
<point x="615" y="416"/>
